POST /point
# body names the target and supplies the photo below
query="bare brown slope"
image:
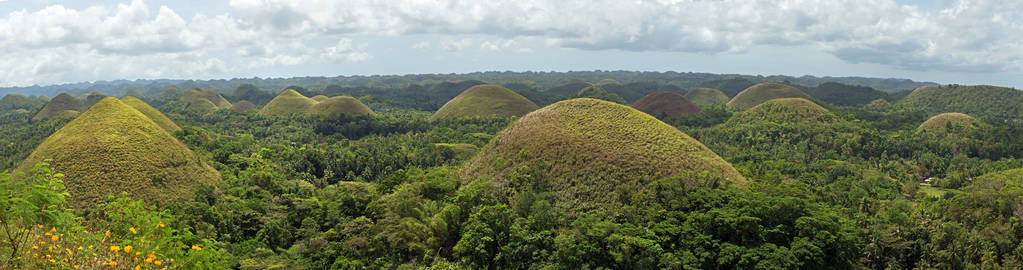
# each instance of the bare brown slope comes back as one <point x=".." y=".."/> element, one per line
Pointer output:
<point x="667" y="104"/>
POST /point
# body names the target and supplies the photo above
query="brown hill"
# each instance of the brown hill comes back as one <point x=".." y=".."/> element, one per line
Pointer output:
<point x="667" y="104"/>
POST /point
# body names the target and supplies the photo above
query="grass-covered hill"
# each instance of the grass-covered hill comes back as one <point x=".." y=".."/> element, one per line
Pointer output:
<point x="11" y="102"/>
<point x="730" y="87"/>
<point x="288" y="102"/>
<point x="666" y="104"/>
<point x="789" y="138"/>
<point x="761" y="92"/>
<point x="589" y="152"/>
<point x="485" y="100"/>
<point x="785" y="110"/>
<point x="251" y="93"/>
<point x="62" y="102"/>
<point x="196" y="95"/>
<point x="319" y="98"/>
<point x="707" y="97"/>
<point x="629" y="94"/>
<point x="844" y="94"/>
<point x="598" y="92"/>
<point x="133" y="93"/>
<point x="114" y="148"/>
<point x="949" y="123"/>
<point x="340" y="104"/>
<point x="990" y="103"/>
<point x="568" y="89"/>
<point x="92" y="99"/>
<point x="243" y="106"/>
<point x="152" y="113"/>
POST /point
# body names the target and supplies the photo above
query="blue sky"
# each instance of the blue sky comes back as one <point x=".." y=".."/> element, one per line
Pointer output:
<point x="965" y="42"/>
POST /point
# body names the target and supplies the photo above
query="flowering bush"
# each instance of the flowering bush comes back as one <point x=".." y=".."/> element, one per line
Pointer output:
<point x="128" y="235"/>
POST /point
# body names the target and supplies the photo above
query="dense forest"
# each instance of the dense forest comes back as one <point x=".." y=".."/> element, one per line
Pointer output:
<point x="559" y="174"/>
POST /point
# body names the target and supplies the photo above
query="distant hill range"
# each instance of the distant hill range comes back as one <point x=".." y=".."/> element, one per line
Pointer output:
<point x="434" y="84"/>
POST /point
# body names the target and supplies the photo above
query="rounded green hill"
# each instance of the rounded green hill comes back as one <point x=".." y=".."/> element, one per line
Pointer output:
<point x="785" y="110"/>
<point x="319" y="98"/>
<point x="487" y="100"/>
<point x="587" y="150"/>
<point x="340" y="104"/>
<point x="288" y="102"/>
<point x="14" y="101"/>
<point x="92" y="99"/>
<point x="761" y="92"/>
<point x="152" y="113"/>
<point x="568" y="89"/>
<point x="243" y="106"/>
<point x="949" y="122"/>
<point x="114" y="148"/>
<point x="667" y="104"/>
<point x="982" y="101"/>
<point x="195" y="95"/>
<point x="62" y="102"/>
<point x="598" y="92"/>
<point x="707" y="97"/>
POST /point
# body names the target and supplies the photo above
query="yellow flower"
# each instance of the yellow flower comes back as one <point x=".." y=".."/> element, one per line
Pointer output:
<point x="133" y="231"/>
<point x="76" y="267"/>
<point x="112" y="263"/>
<point x="115" y="248"/>
<point x="107" y="233"/>
<point x="161" y="224"/>
<point x="53" y="229"/>
<point x="158" y="263"/>
<point x="54" y="238"/>
<point x="150" y="258"/>
<point x="53" y="261"/>
<point x="35" y="247"/>
<point x="196" y="248"/>
<point x="138" y="253"/>
<point x="138" y="267"/>
<point x="127" y="249"/>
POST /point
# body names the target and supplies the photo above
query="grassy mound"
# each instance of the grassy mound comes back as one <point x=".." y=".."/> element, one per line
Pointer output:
<point x="288" y="102"/>
<point x="133" y="93"/>
<point x="152" y="113"/>
<point x="243" y="106"/>
<point x="319" y="98"/>
<point x="92" y="99"/>
<point x="598" y="92"/>
<point x="14" y="101"/>
<point x="707" y="97"/>
<point x="982" y="101"/>
<point x="60" y="103"/>
<point x="568" y="89"/>
<point x="590" y="150"/>
<point x="668" y="104"/>
<point x="340" y="104"/>
<point x="485" y="100"/>
<point x="949" y="122"/>
<point x="201" y="106"/>
<point x="845" y="94"/>
<point x="195" y="95"/>
<point x="761" y="92"/>
<point x="113" y="147"/>
<point x="785" y="110"/>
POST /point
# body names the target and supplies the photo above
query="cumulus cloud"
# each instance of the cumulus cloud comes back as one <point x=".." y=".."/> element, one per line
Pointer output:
<point x="135" y="39"/>
<point x="968" y="35"/>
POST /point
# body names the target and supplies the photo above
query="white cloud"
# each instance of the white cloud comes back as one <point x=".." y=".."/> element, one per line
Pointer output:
<point x="58" y="44"/>
<point x="508" y="45"/>
<point x="455" y="45"/>
<point x="297" y="53"/>
<point x="971" y="35"/>
<point x="422" y="46"/>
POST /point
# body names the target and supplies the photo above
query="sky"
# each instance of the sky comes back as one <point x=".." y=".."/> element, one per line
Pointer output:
<point x="52" y="42"/>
